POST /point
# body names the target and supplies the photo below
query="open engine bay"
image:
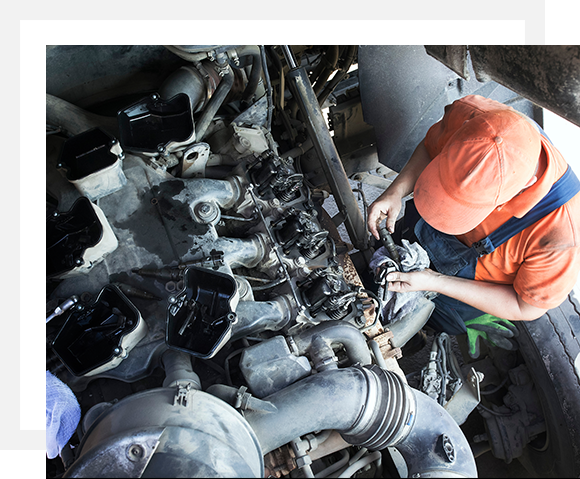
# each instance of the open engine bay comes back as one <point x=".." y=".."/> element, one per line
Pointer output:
<point x="201" y="303"/>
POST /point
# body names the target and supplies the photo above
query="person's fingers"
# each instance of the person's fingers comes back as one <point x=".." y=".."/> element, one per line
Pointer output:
<point x="375" y="216"/>
<point x="394" y="276"/>
<point x="391" y="219"/>
<point x="396" y="282"/>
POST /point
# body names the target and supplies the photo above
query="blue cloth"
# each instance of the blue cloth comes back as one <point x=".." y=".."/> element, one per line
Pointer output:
<point x="63" y="414"/>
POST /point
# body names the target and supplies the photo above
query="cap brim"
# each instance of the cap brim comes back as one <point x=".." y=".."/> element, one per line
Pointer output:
<point x="439" y="209"/>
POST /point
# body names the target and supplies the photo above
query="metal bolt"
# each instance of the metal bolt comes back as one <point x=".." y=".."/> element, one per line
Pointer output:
<point x="172" y="299"/>
<point x="204" y="208"/>
<point x="79" y="261"/>
<point x="117" y="351"/>
<point x="55" y="214"/>
<point x="300" y="261"/>
<point x="155" y="96"/>
<point x="136" y="451"/>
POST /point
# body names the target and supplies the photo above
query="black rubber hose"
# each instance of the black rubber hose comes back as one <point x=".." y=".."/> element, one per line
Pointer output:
<point x="329" y="88"/>
<point x="372" y="408"/>
<point x="331" y="399"/>
<point x="330" y="60"/>
<point x="254" y="52"/>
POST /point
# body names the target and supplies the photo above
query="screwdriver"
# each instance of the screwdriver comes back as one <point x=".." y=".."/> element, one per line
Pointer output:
<point x="388" y="243"/>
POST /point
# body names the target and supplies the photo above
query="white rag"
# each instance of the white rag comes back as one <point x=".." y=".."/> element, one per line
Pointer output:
<point x="63" y="414"/>
<point x="412" y="258"/>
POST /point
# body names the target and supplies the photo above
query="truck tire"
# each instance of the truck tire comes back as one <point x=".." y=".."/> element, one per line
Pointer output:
<point x="550" y="347"/>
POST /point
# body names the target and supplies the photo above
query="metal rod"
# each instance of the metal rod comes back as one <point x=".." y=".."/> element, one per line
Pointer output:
<point x="289" y="56"/>
<point x="329" y="158"/>
<point x="276" y="249"/>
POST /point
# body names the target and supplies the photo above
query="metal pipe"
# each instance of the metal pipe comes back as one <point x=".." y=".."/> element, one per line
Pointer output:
<point x="375" y="348"/>
<point x="356" y="466"/>
<point x="258" y="316"/>
<point x="298" y="150"/>
<point x="268" y="87"/>
<point x="343" y="461"/>
<point x="289" y="56"/>
<point x="247" y="252"/>
<point x="186" y="80"/>
<point x="225" y="193"/>
<point x="333" y="332"/>
<point x="329" y="158"/>
<point x="75" y="120"/>
<point x="214" y="103"/>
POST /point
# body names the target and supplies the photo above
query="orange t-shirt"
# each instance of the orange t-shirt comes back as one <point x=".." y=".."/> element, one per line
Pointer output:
<point x="542" y="262"/>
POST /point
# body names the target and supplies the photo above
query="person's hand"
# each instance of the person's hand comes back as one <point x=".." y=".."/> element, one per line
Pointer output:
<point x="385" y="206"/>
<point x="491" y="329"/>
<point x="416" y="281"/>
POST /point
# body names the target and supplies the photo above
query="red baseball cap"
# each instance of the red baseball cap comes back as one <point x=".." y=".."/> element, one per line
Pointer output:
<point x="487" y="162"/>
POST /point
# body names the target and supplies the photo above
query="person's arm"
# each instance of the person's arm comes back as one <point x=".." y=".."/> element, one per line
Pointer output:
<point x="500" y="300"/>
<point x="389" y="204"/>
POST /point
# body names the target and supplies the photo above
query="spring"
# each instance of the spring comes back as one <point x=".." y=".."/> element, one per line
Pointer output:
<point x="286" y="195"/>
<point x="337" y="313"/>
<point x="310" y="253"/>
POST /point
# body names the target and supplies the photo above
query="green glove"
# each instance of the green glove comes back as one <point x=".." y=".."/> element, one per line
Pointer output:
<point x="496" y="331"/>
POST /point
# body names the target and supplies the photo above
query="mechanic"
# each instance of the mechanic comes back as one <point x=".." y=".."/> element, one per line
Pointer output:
<point x="497" y="209"/>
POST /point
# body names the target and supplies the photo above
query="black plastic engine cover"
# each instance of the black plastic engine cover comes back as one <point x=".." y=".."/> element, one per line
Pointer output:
<point x="92" y="337"/>
<point x="150" y="124"/>
<point x="200" y="320"/>
<point x="68" y="235"/>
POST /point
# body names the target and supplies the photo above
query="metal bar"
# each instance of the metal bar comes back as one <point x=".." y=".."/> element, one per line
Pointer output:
<point x="289" y="56"/>
<point x="329" y="158"/>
